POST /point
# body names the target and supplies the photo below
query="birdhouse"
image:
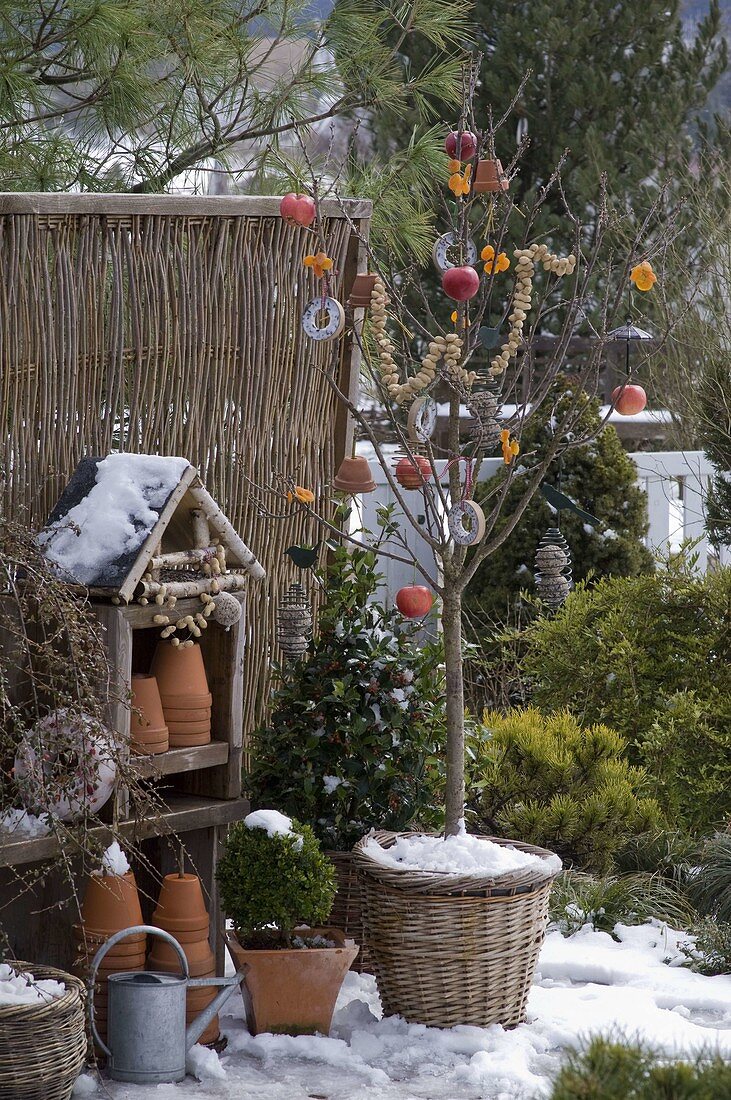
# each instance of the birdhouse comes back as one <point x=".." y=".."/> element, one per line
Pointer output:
<point x="166" y="573"/>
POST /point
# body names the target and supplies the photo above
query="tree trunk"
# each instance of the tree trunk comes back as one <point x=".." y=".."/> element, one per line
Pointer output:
<point x="452" y="630"/>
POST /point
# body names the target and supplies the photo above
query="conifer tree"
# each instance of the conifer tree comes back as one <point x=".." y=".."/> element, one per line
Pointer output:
<point x="600" y="477"/>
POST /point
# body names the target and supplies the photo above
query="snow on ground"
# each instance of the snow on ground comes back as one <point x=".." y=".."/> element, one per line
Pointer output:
<point x="586" y="984"/>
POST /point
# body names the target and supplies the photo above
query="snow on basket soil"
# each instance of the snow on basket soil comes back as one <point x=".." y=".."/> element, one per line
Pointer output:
<point x="463" y="854"/>
<point x="19" y="987"/>
<point x="586" y="984"/>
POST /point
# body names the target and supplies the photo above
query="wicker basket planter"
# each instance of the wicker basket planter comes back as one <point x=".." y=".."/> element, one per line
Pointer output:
<point x="347" y="911"/>
<point x="453" y="949"/>
<point x="43" y="1047"/>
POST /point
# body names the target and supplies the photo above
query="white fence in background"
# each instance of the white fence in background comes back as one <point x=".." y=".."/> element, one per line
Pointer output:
<point x="675" y="483"/>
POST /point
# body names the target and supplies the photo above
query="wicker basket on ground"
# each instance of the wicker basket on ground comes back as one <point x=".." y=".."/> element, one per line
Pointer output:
<point x="43" y="1047"/>
<point x="347" y="909"/>
<point x="454" y="949"/>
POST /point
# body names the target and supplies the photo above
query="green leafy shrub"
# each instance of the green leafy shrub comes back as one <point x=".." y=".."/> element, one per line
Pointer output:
<point x="356" y="728"/>
<point x="612" y="1070"/>
<point x="548" y="781"/>
<point x="650" y="656"/>
<point x="578" y="899"/>
<point x="600" y="477"/>
<point x="278" y="879"/>
<point x="710" y="886"/>
<point x="710" y="950"/>
<point x="670" y="853"/>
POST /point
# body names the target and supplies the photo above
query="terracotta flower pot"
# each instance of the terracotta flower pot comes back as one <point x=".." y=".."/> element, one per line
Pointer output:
<point x="147" y="729"/>
<point x="293" y="992"/>
<point x="189" y="729"/>
<point x="186" y="741"/>
<point x="201" y="960"/>
<point x="360" y="292"/>
<point x="111" y="903"/>
<point x="354" y="476"/>
<point x="175" y="715"/>
<point x="89" y="944"/>
<point x="173" y="702"/>
<point x="489" y="177"/>
<point x="180" y="906"/>
<point x="180" y="672"/>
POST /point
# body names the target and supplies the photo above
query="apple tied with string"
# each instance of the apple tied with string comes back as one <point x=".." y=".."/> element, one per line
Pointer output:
<point x="460" y="146"/>
<point x="298" y="209"/>
<point x="629" y="399"/>
<point x="461" y="283"/>
<point x="414" y="601"/>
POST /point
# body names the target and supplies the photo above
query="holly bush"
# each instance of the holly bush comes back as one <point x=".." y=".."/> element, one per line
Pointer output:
<point x="548" y="781"/>
<point x="271" y="883"/>
<point x="650" y="656"/>
<point x="356" y="729"/>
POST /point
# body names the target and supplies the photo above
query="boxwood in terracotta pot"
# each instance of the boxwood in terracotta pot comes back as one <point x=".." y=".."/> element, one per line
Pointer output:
<point x="277" y="888"/>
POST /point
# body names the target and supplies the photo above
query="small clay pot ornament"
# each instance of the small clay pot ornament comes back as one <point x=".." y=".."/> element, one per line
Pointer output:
<point x="489" y="178"/>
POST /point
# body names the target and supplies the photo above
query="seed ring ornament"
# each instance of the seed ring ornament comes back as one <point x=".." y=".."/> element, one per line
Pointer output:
<point x="422" y="419"/>
<point x="441" y="249"/>
<point x="335" y="319"/>
<point x="527" y="259"/>
<point x="469" y="511"/>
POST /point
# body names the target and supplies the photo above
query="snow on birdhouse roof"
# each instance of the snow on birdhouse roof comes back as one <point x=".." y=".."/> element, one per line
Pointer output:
<point x="114" y="513"/>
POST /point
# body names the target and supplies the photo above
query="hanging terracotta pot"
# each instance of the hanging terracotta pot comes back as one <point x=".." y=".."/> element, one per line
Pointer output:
<point x="360" y="292"/>
<point x="489" y="177"/>
<point x="354" y="476"/>
<point x="147" y="729"/>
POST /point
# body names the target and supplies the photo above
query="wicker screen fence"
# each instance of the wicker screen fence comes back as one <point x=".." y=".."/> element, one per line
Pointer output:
<point x="171" y="325"/>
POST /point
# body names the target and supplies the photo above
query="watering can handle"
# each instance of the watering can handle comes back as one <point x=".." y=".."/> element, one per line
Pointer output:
<point x="150" y="930"/>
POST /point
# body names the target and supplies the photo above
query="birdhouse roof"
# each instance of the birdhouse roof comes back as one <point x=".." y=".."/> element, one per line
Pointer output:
<point x="115" y="514"/>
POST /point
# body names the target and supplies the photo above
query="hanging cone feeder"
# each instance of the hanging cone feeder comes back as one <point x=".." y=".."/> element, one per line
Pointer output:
<point x="361" y="290"/>
<point x="489" y="177"/>
<point x="354" y="476"/>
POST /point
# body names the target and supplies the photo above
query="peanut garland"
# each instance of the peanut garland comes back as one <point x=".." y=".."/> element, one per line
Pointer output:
<point x="448" y="348"/>
<point x="527" y="259"/>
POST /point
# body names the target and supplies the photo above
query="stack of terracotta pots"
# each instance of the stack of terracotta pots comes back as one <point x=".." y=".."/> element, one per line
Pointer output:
<point x="110" y="904"/>
<point x="181" y="911"/>
<point x="147" y="730"/>
<point x="186" y="700"/>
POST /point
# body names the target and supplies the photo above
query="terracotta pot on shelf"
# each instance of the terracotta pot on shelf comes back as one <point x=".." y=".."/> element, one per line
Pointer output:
<point x="354" y="476"/>
<point x="489" y="177"/>
<point x="176" y="715"/>
<point x="147" y="729"/>
<point x="293" y="991"/>
<point x="180" y="673"/>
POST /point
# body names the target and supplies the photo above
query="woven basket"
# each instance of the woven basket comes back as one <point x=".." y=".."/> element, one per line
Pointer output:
<point x="453" y="949"/>
<point x="43" y="1047"/>
<point x="347" y="911"/>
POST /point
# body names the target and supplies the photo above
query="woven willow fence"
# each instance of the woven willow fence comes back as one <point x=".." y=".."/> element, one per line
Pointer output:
<point x="171" y="325"/>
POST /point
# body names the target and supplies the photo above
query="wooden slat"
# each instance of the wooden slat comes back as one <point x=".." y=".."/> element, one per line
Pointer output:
<point x="175" y="761"/>
<point x="266" y="206"/>
<point x="184" y="813"/>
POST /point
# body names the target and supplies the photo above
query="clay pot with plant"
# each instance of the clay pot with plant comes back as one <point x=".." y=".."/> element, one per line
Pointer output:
<point x="277" y="887"/>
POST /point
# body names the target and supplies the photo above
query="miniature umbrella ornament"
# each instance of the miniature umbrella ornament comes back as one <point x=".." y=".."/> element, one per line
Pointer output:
<point x="629" y="398"/>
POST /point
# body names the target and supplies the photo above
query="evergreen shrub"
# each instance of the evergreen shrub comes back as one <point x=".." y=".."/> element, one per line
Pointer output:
<point x="548" y="781"/>
<point x="651" y="657"/>
<point x="271" y="883"/>
<point x="356" y="729"/>
<point x="612" y="1070"/>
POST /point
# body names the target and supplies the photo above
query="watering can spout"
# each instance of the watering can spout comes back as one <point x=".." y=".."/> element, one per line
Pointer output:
<point x="201" y="1022"/>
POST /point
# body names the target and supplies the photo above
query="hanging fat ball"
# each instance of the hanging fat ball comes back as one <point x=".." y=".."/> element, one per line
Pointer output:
<point x="294" y="622"/>
<point x="226" y="610"/>
<point x="553" y="568"/>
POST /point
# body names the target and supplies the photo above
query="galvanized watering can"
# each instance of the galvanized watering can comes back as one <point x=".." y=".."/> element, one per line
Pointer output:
<point x="146" y="1030"/>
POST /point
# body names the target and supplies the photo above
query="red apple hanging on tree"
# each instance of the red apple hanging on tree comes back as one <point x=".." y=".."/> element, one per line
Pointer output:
<point x="414" y="601"/>
<point x="467" y="146"/>
<point x="298" y="209"/>
<point x="461" y="283"/>
<point x="629" y="399"/>
<point x="413" y="474"/>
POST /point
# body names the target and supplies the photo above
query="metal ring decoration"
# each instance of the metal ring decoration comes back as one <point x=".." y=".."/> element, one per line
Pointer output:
<point x="442" y="247"/>
<point x="422" y="419"/>
<point x="470" y="511"/>
<point x="335" y="319"/>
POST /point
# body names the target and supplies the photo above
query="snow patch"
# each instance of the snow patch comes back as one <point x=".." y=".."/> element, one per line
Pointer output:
<point x="114" y="861"/>
<point x="204" y="1064"/>
<point x="23" y="824"/>
<point x="85" y="1085"/>
<point x="457" y="855"/>
<point x="21" y="988"/>
<point x="273" y="823"/>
